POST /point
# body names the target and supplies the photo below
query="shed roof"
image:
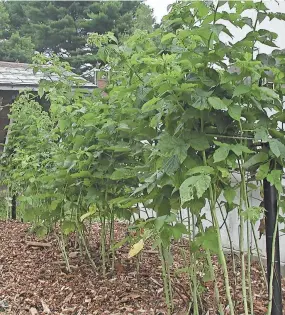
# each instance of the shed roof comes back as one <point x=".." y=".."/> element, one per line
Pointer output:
<point x="18" y="76"/>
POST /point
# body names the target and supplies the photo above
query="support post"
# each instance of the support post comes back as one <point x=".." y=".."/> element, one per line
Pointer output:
<point x="270" y="204"/>
<point x="14" y="208"/>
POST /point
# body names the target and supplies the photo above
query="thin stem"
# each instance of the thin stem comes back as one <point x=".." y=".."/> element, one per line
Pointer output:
<point x="194" y="296"/>
<point x="165" y="280"/>
<point x="212" y="203"/>
<point x="270" y="295"/>
<point x="103" y="245"/>
<point x="258" y="255"/>
<point x="232" y="251"/>
<point x="241" y="247"/>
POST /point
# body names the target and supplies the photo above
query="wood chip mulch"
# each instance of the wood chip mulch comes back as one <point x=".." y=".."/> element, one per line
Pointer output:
<point x="33" y="280"/>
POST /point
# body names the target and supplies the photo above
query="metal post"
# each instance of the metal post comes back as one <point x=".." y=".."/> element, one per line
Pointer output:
<point x="270" y="204"/>
<point x="14" y="208"/>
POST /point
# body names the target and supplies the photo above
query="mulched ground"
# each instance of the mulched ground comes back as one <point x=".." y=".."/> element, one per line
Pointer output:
<point x="33" y="280"/>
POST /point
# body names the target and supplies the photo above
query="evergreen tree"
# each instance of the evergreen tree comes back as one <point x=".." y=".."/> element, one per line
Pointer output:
<point x="62" y="27"/>
<point x="13" y="47"/>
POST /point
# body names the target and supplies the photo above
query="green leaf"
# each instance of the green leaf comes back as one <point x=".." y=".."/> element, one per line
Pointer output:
<point x="119" y="148"/>
<point x="171" y="165"/>
<point x="258" y="158"/>
<point x="262" y="171"/>
<point x="167" y="38"/>
<point x="261" y="134"/>
<point x="277" y="148"/>
<point x="198" y="141"/>
<point x="78" y="141"/>
<point x="200" y="170"/>
<point x="217" y="103"/>
<point x="209" y="240"/>
<point x="120" y="243"/>
<point x="224" y="171"/>
<point x="253" y="214"/>
<point x="221" y="154"/>
<point x="238" y="149"/>
<point x="81" y="174"/>
<point x="122" y="173"/>
<point x="151" y="105"/>
<point x="229" y="194"/>
<point x="198" y="184"/>
<point x="169" y="146"/>
<point x="235" y="111"/>
<point x="178" y="230"/>
<point x="41" y="231"/>
<point x="63" y="124"/>
<point x="241" y="89"/>
<point x="275" y="179"/>
<point x="269" y="92"/>
<point x="68" y="227"/>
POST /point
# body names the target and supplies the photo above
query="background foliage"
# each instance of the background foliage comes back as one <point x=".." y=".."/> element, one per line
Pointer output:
<point x="62" y="27"/>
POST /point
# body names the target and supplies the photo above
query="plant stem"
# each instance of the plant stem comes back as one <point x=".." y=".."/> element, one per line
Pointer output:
<point x="232" y="252"/>
<point x="212" y="275"/>
<point x="61" y="242"/>
<point x="103" y="245"/>
<point x="270" y="295"/>
<point x="241" y="248"/>
<point x="193" y="256"/>
<point x="258" y="255"/>
<point x="212" y="203"/>
<point x="249" y="267"/>
<point x="165" y="280"/>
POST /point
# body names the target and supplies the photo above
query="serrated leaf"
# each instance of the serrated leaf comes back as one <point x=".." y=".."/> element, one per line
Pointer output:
<point x="253" y="214"/>
<point x="209" y="240"/>
<point x="194" y="185"/>
<point x="169" y="146"/>
<point x="217" y="103"/>
<point x="198" y="141"/>
<point x="241" y="89"/>
<point x="221" y="154"/>
<point x="171" y="165"/>
<point x="136" y="248"/>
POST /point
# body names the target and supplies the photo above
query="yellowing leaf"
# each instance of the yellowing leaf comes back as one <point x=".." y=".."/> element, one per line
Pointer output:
<point x="136" y="248"/>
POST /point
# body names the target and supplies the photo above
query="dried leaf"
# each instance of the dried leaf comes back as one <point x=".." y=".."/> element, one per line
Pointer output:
<point x="136" y="248"/>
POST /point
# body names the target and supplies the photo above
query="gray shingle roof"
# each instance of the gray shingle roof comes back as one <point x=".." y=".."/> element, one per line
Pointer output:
<point x="18" y="76"/>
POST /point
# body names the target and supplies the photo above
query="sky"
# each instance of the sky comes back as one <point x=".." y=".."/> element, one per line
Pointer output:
<point x="160" y="9"/>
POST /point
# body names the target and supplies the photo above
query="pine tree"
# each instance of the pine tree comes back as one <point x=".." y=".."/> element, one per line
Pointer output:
<point x="62" y="27"/>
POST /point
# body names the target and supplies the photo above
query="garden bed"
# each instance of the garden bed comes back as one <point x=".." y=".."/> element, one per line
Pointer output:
<point x="33" y="280"/>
